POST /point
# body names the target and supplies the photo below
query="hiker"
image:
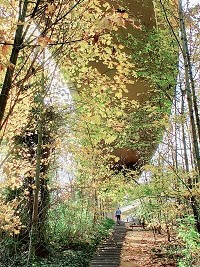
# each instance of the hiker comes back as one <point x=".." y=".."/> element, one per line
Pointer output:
<point x="143" y="223"/>
<point x="118" y="215"/>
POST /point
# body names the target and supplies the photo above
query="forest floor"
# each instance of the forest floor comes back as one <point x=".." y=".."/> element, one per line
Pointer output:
<point x="143" y="248"/>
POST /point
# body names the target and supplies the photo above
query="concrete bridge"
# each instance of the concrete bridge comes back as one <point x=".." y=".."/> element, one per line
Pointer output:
<point x="143" y="13"/>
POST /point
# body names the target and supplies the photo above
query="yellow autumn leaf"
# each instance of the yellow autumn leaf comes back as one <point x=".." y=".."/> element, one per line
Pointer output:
<point x="116" y="159"/>
<point x="110" y="139"/>
<point x="118" y="94"/>
<point x="106" y="6"/>
<point x="16" y="232"/>
<point x="125" y="15"/>
<point x="108" y="42"/>
<point x="119" y="113"/>
<point x="96" y="119"/>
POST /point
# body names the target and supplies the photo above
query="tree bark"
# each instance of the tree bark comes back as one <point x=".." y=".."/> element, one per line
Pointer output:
<point x="187" y="60"/>
<point x="189" y="92"/>
<point x="18" y="41"/>
<point x="186" y="161"/>
<point x="34" y="236"/>
<point x="191" y="99"/>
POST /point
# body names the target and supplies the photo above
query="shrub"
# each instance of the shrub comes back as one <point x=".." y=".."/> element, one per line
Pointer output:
<point x="191" y="243"/>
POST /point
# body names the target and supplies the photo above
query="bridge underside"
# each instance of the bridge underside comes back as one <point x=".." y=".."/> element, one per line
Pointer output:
<point x="142" y="11"/>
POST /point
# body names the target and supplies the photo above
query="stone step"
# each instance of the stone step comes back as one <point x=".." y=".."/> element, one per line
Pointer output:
<point x="109" y="251"/>
<point x="105" y="264"/>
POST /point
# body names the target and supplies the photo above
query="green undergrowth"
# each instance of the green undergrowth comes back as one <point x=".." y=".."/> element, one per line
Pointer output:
<point x="184" y="250"/>
<point x="190" y="243"/>
<point x="78" y="253"/>
<point x="71" y="238"/>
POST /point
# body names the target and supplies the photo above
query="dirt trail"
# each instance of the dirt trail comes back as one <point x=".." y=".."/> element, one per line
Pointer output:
<point x="138" y="250"/>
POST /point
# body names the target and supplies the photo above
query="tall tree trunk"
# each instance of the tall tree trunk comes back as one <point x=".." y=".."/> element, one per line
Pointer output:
<point x="34" y="236"/>
<point x="193" y="201"/>
<point x="184" y="136"/>
<point x="187" y="60"/>
<point x="175" y="133"/>
<point x="192" y="105"/>
<point x="189" y="92"/>
<point x="18" y="41"/>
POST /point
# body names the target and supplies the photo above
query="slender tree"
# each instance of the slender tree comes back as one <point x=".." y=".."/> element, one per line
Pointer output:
<point x="191" y="94"/>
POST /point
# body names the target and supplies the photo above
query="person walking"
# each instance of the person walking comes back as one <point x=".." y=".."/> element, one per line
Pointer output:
<point x="118" y="215"/>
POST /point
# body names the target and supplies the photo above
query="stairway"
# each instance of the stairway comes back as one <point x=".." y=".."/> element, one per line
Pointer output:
<point x="109" y="251"/>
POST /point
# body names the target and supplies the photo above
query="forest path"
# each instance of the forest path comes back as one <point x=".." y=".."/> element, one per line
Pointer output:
<point x="109" y="251"/>
<point x="141" y="248"/>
